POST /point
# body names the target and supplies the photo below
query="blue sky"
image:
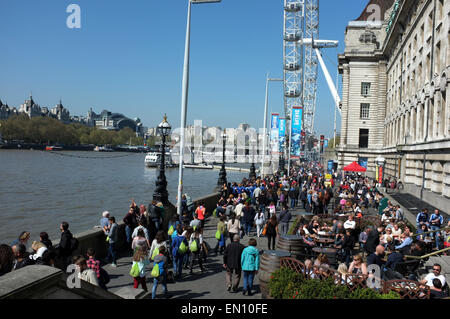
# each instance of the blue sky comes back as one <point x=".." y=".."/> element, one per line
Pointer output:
<point x="128" y="57"/>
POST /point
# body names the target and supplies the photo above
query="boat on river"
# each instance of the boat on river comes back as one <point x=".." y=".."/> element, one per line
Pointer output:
<point x="53" y="148"/>
<point x="152" y="159"/>
<point x="103" y="149"/>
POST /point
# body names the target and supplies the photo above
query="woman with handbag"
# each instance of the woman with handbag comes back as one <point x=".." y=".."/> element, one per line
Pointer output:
<point x="259" y="221"/>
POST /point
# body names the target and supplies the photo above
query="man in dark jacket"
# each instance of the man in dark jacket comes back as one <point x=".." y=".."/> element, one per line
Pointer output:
<point x="131" y="223"/>
<point x="393" y="259"/>
<point x="248" y="217"/>
<point x="285" y="218"/>
<point x="65" y="245"/>
<point x="21" y="256"/>
<point x="232" y="263"/>
<point x="375" y="258"/>
<point x="348" y="242"/>
<point x="373" y="240"/>
<point x="303" y="197"/>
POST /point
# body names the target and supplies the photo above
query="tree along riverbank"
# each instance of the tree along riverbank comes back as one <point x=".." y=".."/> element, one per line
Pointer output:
<point x="49" y="131"/>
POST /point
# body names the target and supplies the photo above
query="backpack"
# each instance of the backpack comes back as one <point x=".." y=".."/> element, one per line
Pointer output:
<point x="182" y="248"/>
<point x="74" y="244"/>
<point x="155" y="253"/>
<point x="134" y="271"/>
<point x="154" y="212"/>
<point x="158" y="269"/>
<point x="193" y="246"/>
<point x="104" y="276"/>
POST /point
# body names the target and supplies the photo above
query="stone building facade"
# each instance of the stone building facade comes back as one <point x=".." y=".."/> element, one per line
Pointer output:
<point x="396" y="74"/>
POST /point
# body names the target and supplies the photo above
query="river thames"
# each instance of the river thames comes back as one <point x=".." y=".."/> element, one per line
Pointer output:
<point x="39" y="190"/>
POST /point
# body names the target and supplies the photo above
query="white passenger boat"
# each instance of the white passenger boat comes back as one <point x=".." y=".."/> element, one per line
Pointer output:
<point x="152" y="159"/>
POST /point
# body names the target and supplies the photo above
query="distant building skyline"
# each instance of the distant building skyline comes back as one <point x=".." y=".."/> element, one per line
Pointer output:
<point x="105" y="120"/>
<point x="131" y="60"/>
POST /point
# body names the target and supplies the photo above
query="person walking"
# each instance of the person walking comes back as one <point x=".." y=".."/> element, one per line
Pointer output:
<point x="250" y="265"/>
<point x="157" y="243"/>
<point x="140" y="240"/>
<point x="248" y="218"/>
<point x="233" y="226"/>
<point x="303" y="197"/>
<point x="221" y="229"/>
<point x="232" y="263"/>
<point x="161" y="260"/>
<point x="292" y="196"/>
<point x="196" y="249"/>
<point x="179" y="249"/>
<point x="285" y="218"/>
<point x="201" y="212"/>
<point x="140" y="261"/>
<point x="259" y="221"/>
<point x="272" y="232"/>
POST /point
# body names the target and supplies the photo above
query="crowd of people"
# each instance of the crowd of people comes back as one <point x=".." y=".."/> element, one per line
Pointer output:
<point x="256" y="208"/>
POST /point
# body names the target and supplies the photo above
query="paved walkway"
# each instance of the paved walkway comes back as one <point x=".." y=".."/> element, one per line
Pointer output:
<point x="208" y="285"/>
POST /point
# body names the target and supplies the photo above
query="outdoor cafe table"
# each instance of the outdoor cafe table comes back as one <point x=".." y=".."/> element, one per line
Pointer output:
<point x="325" y="234"/>
<point x="323" y="241"/>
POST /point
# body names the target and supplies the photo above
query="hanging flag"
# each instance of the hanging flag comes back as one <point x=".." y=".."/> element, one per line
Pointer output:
<point x="296" y="131"/>
<point x="282" y="135"/>
<point x="274" y="131"/>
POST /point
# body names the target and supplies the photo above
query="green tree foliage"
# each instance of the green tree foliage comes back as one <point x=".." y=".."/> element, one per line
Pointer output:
<point x="44" y="130"/>
<point x="331" y="142"/>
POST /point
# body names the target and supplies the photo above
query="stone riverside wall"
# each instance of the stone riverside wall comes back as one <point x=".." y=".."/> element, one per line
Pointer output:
<point x="96" y="239"/>
<point x="45" y="282"/>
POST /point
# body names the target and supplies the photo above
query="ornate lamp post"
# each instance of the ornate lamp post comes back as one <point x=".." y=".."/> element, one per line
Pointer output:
<point x="252" y="174"/>
<point x="282" y="163"/>
<point x="161" y="193"/>
<point x="223" y="173"/>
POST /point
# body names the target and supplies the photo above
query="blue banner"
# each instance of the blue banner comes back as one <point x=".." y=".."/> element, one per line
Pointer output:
<point x="274" y="130"/>
<point x="325" y="143"/>
<point x="282" y="134"/>
<point x="330" y="166"/>
<point x="296" y="131"/>
<point x="362" y="161"/>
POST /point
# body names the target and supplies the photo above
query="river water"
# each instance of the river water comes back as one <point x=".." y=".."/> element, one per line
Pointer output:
<point x="39" y="190"/>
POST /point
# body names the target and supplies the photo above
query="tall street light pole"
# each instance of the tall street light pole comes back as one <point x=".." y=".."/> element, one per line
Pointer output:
<point x="266" y="107"/>
<point x="223" y="173"/>
<point x="184" y="98"/>
<point x="161" y="193"/>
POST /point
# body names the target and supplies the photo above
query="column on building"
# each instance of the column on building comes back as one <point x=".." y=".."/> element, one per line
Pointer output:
<point x="345" y="106"/>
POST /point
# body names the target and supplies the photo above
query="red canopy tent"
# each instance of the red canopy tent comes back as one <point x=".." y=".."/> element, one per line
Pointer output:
<point x="354" y="167"/>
